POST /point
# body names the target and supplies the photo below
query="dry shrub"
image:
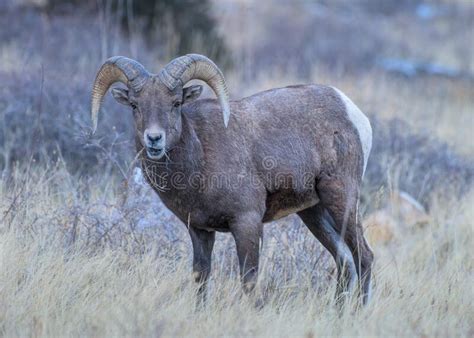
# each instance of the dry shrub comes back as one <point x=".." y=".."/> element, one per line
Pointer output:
<point x="415" y="162"/>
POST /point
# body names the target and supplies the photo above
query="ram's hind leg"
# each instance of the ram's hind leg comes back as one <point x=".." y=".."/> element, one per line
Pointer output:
<point x="341" y="199"/>
<point x="321" y="224"/>
<point x="363" y="257"/>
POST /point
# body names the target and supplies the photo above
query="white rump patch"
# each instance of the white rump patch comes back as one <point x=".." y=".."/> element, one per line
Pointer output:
<point x="360" y="122"/>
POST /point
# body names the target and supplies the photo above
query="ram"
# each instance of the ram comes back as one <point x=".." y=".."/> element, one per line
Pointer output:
<point x="299" y="149"/>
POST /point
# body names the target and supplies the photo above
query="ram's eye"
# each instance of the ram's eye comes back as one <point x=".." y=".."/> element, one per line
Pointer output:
<point x="177" y="104"/>
<point x="133" y="105"/>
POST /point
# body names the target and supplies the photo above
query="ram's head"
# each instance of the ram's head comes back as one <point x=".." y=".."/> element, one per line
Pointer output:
<point x="156" y="99"/>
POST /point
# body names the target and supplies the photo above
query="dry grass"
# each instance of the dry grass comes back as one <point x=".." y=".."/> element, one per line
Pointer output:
<point x="53" y="286"/>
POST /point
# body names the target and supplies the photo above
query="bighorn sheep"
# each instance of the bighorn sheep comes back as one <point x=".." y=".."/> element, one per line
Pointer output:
<point x="299" y="149"/>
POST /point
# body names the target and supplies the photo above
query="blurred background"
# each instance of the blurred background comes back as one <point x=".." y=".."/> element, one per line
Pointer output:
<point x="408" y="64"/>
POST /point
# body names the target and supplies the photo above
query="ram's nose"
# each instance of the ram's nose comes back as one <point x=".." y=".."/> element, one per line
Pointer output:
<point x="154" y="138"/>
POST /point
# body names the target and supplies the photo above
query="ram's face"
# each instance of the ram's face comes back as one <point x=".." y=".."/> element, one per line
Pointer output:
<point x="157" y="100"/>
<point x="157" y="114"/>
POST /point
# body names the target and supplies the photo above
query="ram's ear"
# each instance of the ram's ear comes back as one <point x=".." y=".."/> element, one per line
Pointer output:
<point x="191" y="93"/>
<point x="121" y="95"/>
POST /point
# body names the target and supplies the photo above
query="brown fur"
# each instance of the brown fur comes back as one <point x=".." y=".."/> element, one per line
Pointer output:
<point x="285" y="150"/>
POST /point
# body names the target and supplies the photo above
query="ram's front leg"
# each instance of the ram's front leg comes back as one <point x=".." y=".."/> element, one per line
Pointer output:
<point x="247" y="232"/>
<point x="203" y="242"/>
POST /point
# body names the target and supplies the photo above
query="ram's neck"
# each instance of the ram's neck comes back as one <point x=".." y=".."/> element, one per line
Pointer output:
<point x="188" y="152"/>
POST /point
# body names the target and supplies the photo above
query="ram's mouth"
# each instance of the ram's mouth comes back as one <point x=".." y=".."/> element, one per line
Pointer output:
<point x="155" y="153"/>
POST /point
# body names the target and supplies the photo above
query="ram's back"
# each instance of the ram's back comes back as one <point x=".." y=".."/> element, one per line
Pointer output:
<point x="301" y="127"/>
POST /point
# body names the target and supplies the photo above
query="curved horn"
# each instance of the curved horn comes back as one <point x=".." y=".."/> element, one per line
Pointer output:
<point x="194" y="66"/>
<point x="115" y="69"/>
